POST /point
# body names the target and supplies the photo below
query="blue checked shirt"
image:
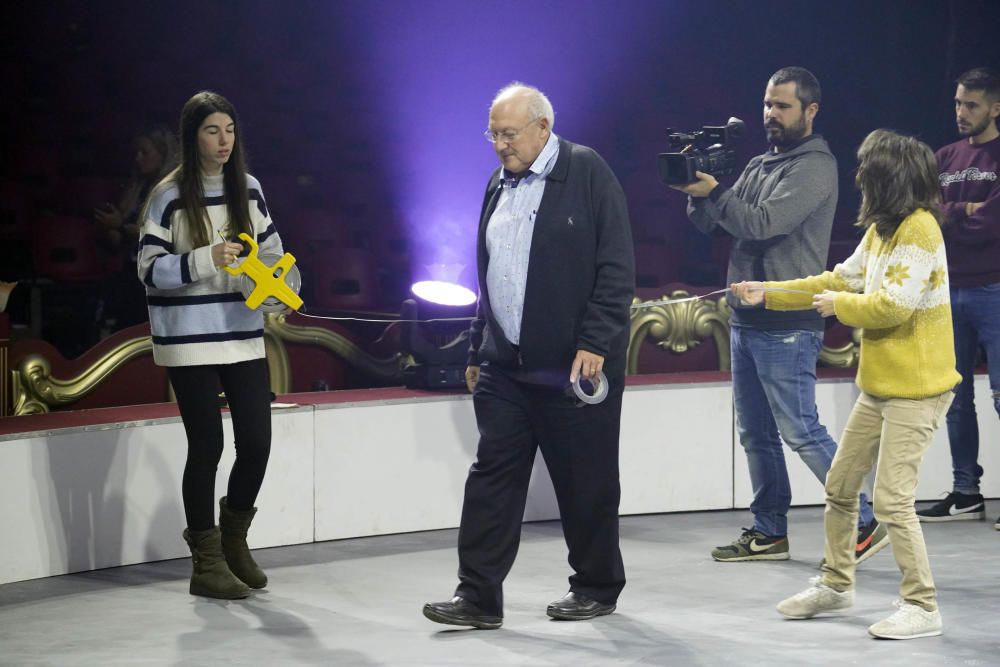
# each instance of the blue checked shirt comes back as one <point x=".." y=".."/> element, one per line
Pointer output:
<point x="508" y="240"/>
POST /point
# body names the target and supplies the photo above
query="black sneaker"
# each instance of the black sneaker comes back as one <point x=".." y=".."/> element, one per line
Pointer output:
<point x="753" y="545"/>
<point x="997" y="524"/>
<point x="955" y="507"/>
<point x="871" y="539"/>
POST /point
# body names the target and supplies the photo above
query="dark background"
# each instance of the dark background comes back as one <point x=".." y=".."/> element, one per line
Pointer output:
<point x="363" y="119"/>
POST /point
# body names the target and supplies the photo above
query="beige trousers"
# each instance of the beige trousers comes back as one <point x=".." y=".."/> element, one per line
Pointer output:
<point x="896" y="432"/>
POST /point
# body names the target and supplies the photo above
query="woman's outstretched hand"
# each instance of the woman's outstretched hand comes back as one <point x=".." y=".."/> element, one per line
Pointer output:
<point x="823" y="303"/>
<point x="750" y="292"/>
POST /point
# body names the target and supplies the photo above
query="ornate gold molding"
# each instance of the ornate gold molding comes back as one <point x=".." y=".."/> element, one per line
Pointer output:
<point x="679" y="327"/>
<point x="279" y="368"/>
<point x="36" y="391"/>
<point x="845" y="356"/>
<point x="388" y="368"/>
<point x="6" y="384"/>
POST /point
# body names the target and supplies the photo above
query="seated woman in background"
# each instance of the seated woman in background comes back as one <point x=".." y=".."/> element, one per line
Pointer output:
<point x="12" y="298"/>
<point x="124" y="300"/>
<point x="895" y="288"/>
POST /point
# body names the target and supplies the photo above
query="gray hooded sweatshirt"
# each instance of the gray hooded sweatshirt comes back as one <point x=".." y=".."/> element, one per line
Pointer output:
<point x="780" y="215"/>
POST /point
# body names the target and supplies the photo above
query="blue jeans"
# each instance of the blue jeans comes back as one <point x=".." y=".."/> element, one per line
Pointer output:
<point x="975" y="314"/>
<point x="774" y="389"/>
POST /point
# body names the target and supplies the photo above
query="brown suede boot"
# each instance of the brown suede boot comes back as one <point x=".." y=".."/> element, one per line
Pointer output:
<point x="234" y="525"/>
<point x="211" y="577"/>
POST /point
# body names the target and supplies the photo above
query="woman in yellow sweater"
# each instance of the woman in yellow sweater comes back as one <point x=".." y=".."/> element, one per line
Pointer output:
<point x="895" y="288"/>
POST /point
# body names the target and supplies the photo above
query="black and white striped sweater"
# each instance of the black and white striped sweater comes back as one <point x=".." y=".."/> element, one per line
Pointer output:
<point x="197" y="314"/>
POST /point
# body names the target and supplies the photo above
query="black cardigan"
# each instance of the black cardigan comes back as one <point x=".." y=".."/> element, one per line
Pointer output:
<point x="581" y="276"/>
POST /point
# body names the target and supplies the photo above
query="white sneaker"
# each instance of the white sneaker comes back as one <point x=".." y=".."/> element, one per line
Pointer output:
<point x="909" y="622"/>
<point x="817" y="598"/>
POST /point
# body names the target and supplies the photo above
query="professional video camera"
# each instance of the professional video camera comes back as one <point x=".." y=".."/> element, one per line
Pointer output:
<point x="705" y="150"/>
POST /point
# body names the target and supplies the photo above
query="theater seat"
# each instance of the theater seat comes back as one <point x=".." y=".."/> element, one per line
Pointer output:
<point x="65" y="248"/>
<point x="344" y="279"/>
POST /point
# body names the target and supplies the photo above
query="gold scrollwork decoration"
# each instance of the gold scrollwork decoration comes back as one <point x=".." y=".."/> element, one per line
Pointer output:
<point x="388" y="368"/>
<point x="845" y="356"/>
<point x="279" y="368"/>
<point x="676" y="327"/>
<point x="679" y="327"/>
<point x="36" y="391"/>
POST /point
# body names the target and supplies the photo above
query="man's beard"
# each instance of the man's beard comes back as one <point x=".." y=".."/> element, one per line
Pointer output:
<point x="976" y="130"/>
<point x="783" y="137"/>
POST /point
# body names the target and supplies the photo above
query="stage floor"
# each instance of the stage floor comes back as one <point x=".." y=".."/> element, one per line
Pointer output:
<point x="358" y="602"/>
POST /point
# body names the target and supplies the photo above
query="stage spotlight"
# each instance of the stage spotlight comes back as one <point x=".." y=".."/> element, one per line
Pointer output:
<point x="443" y="293"/>
<point x="439" y="341"/>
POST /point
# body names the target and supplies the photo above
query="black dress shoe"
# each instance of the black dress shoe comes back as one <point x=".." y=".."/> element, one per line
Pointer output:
<point x="578" y="607"/>
<point x="459" y="611"/>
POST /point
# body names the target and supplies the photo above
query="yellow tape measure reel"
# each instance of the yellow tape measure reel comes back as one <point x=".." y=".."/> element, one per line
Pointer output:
<point x="273" y="287"/>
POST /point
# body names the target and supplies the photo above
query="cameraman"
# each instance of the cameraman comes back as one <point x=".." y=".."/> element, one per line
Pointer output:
<point x="780" y="214"/>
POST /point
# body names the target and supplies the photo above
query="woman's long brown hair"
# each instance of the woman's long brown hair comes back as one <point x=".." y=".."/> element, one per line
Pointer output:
<point x="188" y="173"/>
<point x="897" y="175"/>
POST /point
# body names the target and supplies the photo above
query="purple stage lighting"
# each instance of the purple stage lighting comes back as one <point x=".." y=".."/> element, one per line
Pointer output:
<point x="444" y="293"/>
<point x="427" y="115"/>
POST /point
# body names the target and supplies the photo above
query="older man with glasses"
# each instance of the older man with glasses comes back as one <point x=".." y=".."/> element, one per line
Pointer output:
<point x="556" y="279"/>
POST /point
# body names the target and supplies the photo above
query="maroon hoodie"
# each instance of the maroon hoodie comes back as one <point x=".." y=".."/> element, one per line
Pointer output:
<point x="969" y="173"/>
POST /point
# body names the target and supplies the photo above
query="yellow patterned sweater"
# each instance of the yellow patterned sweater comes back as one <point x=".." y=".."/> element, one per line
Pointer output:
<point x="896" y="291"/>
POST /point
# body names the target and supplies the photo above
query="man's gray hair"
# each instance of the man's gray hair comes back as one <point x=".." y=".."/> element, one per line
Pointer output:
<point x="538" y="104"/>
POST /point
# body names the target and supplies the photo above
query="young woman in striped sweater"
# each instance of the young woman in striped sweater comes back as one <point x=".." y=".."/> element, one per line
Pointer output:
<point x="206" y="336"/>
<point x="895" y="288"/>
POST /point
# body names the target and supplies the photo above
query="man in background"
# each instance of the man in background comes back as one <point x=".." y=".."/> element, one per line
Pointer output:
<point x="970" y="195"/>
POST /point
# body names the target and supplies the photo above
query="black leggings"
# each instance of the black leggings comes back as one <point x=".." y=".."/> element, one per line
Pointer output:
<point x="249" y="396"/>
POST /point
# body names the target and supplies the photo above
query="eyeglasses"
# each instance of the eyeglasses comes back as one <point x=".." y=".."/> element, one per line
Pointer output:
<point x="507" y="136"/>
